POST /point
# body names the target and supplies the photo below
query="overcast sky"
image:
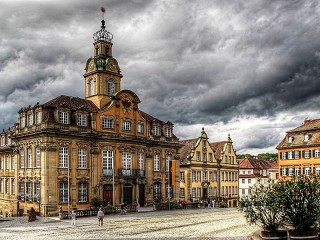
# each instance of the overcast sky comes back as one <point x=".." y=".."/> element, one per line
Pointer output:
<point x="247" y="68"/>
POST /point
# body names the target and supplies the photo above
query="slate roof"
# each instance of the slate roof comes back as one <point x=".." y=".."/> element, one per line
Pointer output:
<point x="5" y="149"/>
<point x="149" y="117"/>
<point x="308" y="125"/>
<point x="73" y="103"/>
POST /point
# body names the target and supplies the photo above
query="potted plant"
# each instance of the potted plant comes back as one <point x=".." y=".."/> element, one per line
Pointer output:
<point x="263" y="207"/>
<point x="301" y="200"/>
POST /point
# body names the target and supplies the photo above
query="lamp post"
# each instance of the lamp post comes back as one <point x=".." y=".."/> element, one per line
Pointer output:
<point x="68" y="187"/>
<point x="113" y="190"/>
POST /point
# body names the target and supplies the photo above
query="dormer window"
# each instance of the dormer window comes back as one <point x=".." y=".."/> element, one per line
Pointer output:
<point x="168" y="132"/>
<point x="82" y="120"/>
<point x="63" y="117"/>
<point x="22" y="121"/>
<point x="107" y="122"/>
<point x="30" y="119"/>
<point x="38" y="117"/>
<point x="307" y="137"/>
<point x="126" y="125"/>
<point x="140" y="127"/>
<point x="3" y="140"/>
<point x="290" y="139"/>
<point x="156" y="130"/>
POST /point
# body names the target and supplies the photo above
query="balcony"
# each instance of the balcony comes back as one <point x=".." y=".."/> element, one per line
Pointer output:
<point x="131" y="173"/>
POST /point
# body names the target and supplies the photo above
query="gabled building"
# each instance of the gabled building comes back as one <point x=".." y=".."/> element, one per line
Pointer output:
<point x="299" y="151"/>
<point x="208" y="171"/>
<point x="252" y="170"/>
<point x="65" y="152"/>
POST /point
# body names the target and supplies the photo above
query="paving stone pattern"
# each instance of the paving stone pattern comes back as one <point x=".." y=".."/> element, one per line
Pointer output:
<point x="176" y="224"/>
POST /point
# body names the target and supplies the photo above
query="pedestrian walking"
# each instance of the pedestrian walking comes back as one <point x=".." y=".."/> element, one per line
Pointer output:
<point x="122" y="209"/>
<point x="213" y="201"/>
<point x="209" y="204"/>
<point x="73" y="218"/>
<point x="100" y="216"/>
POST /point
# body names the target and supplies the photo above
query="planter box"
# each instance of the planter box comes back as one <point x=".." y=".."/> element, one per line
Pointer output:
<point x="309" y="234"/>
<point x="274" y="235"/>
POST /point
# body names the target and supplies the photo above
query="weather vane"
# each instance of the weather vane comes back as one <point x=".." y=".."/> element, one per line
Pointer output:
<point x="103" y="10"/>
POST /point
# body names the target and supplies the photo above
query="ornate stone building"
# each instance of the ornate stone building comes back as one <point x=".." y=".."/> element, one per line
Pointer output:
<point x="68" y="150"/>
<point x="208" y="171"/>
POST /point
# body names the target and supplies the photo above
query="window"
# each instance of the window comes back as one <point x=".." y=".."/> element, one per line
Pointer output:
<point x="29" y="158"/>
<point x="141" y="164"/>
<point x="7" y="162"/>
<point x="126" y="125"/>
<point x="6" y="190"/>
<point x="211" y="176"/>
<point x="156" y="130"/>
<point x="243" y="181"/>
<point x="38" y="118"/>
<point x="317" y="153"/>
<point x="30" y="119"/>
<point x="215" y="191"/>
<point x="83" y="192"/>
<point x="111" y="88"/>
<point x="290" y="155"/>
<point x="12" y="162"/>
<point x="243" y="192"/>
<point x="140" y="127"/>
<point x="290" y="139"/>
<point x="63" y="117"/>
<point x="168" y="160"/>
<point x="23" y="121"/>
<point x="37" y="191"/>
<point x="307" y="171"/>
<point x="215" y="176"/>
<point x="107" y="162"/>
<point x="156" y="162"/>
<point x="21" y="190"/>
<point x="182" y="193"/>
<point x="194" y="192"/>
<point x="205" y="175"/>
<point x="222" y="176"/>
<point x="307" y="137"/>
<point x="232" y="158"/>
<point x="63" y="192"/>
<point x="198" y="192"/>
<point x="38" y="157"/>
<point x="127" y="163"/>
<point x="3" y="141"/>
<point x="198" y="156"/>
<point x="210" y="157"/>
<point x="307" y="154"/>
<point x="28" y="191"/>
<point x="82" y="120"/>
<point x="91" y="87"/>
<point x="290" y="171"/>
<point x="296" y="154"/>
<point x="283" y="154"/>
<point x="198" y="176"/>
<point x="317" y="170"/>
<point x="82" y="158"/>
<point x="249" y="180"/>
<point x="157" y="190"/>
<point x="194" y="177"/>
<point x="12" y="187"/>
<point x="63" y="157"/>
<point x="297" y="171"/>
<point x="182" y="176"/>
<point x="21" y="158"/>
<point x="107" y="123"/>
<point x="168" y="132"/>
<point x="284" y="172"/>
<point x="204" y="157"/>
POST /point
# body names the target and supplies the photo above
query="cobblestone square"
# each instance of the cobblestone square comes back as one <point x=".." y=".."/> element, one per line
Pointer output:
<point x="176" y="224"/>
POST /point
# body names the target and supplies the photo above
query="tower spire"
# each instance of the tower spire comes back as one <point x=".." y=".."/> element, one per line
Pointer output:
<point x="102" y="34"/>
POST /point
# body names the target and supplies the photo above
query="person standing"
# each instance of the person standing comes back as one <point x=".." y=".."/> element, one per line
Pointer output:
<point x="213" y="201"/>
<point x="100" y="216"/>
<point x="73" y="218"/>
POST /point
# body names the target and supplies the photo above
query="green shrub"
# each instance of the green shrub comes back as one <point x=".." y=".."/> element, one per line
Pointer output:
<point x="109" y="209"/>
<point x="96" y="202"/>
<point x="223" y="205"/>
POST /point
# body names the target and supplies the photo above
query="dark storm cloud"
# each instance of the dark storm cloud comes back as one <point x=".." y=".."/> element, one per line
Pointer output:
<point x="190" y="62"/>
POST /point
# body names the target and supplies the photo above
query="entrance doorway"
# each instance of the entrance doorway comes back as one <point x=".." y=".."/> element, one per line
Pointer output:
<point x="204" y="196"/>
<point x="107" y="194"/>
<point x="127" y="194"/>
<point x="141" y="195"/>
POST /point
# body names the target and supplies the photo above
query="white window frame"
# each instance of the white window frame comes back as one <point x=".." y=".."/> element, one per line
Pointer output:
<point x="126" y="162"/>
<point x="307" y="154"/>
<point x="168" y="159"/>
<point x="30" y="119"/>
<point x="63" y="157"/>
<point x="82" y="120"/>
<point x="182" y="177"/>
<point x="22" y="160"/>
<point x="91" y="87"/>
<point x="38" y="117"/>
<point x="64" y="117"/>
<point x="140" y="127"/>
<point x="168" y="132"/>
<point x="156" y="130"/>
<point x="29" y="160"/>
<point x="63" y="192"/>
<point x="38" y="157"/>
<point x="283" y="155"/>
<point x="107" y="162"/>
<point x="82" y="158"/>
<point x="126" y="125"/>
<point x="290" y="155"/>
<point x="107" y="122"/>
<point x="317" y="153"/>
<point x="296" y="154"/>
<point x="22" y="121"/>
<point x="156" y="162"/>
<point x="83" y="192"/>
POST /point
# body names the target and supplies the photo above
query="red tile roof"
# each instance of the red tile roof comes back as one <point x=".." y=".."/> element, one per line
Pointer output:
<point x="253" y="163"/>
<point x="218" y="148"/>
<point x="186" y="148"/>
<point x="73" y="103"/>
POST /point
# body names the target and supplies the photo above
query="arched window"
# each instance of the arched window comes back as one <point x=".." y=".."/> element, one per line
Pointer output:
<point x="91" y="86"/>
<point x="110" y="87"/>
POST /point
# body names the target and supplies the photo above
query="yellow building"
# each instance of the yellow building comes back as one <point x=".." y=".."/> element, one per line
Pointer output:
<point x="208" y="171"/>
<point x="68" y="150"/>
<point x="299" y="151"/>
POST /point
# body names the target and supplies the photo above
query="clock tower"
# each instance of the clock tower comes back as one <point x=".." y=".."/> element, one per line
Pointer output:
<point x="102" y="77"/>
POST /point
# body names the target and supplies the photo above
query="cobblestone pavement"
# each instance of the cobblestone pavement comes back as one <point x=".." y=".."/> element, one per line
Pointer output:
<point x="176" y="224"/>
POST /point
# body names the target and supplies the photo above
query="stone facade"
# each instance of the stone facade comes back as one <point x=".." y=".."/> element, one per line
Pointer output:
<point x="68" y="150"/>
